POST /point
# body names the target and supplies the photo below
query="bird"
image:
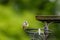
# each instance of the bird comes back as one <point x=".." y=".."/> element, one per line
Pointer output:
<point x="25" y="25"/>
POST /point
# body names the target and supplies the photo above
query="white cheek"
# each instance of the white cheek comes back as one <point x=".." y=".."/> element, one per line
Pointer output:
<point x="24" y="24"/>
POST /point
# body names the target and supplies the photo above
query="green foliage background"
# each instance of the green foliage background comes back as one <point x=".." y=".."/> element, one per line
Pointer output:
<point x="14" y="12"/>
